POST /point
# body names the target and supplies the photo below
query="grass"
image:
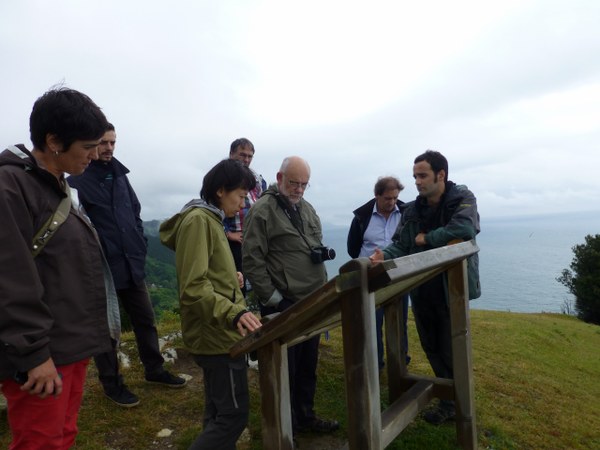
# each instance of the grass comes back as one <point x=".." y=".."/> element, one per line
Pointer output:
<point x="536" y="387"/>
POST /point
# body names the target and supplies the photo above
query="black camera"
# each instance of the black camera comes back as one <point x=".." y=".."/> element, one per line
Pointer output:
<point x="320" y="254"/>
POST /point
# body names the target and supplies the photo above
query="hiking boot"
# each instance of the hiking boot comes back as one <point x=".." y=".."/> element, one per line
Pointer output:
<point x="166" y="379"/>
<point x="318" y="425"/>
<point x="121" y="396"/>
<point x="440" y="414"/>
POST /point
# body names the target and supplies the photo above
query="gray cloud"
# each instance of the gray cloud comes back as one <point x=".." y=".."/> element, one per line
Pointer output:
<point x="512" y="101"/>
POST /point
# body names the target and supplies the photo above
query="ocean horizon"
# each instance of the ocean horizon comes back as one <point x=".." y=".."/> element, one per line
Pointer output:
<point x="519" y="260"/>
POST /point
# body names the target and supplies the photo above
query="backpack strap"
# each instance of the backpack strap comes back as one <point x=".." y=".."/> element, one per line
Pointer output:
<point x="44" y="234"/>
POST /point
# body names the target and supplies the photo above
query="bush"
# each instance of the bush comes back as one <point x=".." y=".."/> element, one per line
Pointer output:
<point x="583" y="279"/>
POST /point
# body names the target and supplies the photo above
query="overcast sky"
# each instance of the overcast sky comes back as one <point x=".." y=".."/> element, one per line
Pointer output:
<point x="508" y="91"/>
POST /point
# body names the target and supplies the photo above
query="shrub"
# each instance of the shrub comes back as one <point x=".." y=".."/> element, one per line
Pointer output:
<point x="583" y="279"/>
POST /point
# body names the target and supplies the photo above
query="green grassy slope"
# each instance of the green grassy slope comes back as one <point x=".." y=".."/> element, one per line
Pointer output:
<point x="536" y="385"/>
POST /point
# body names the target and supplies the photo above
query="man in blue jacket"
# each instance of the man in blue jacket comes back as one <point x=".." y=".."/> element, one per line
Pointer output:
<point x="442" y="212"/>
<point x="112" y="206"/>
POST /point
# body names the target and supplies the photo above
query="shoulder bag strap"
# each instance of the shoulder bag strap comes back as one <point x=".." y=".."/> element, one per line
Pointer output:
<point x="44" y="234"/>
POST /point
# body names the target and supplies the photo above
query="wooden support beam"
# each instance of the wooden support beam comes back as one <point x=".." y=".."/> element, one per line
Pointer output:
<point x="394" y="337"/>
<point x="464" y="390"/>
<point x="360" y="362"/>
<point x="275" y="397"/>
<point x="443" y="388"/>
<point x="402" y="412"/>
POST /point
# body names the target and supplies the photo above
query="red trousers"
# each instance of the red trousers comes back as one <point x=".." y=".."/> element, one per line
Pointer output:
<point x="49" y="423"/>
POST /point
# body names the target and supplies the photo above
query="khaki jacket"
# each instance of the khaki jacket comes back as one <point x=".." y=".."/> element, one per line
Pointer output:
<point x="274" y="255"/>
<point x="209" y="294"/>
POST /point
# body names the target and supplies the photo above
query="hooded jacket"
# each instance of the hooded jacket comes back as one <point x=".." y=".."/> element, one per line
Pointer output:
<point x="53" y="305"/>
<point x="114" y="209"/>
<point x="275" y="256"/>
<point x="455" y="218"/>
<point x="210" y="298"/>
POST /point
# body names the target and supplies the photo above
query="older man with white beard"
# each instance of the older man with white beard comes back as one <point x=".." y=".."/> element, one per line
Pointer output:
<point x="283" y="259"/>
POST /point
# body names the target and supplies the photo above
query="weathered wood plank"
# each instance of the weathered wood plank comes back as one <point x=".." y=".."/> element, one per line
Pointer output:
<point x="403" y="411"/>
<point x="360" y="363"/>
<point x="394" y="337"/>
<point x="275" y="397"/>
<point x="458" y="290"/>
<point x="399" y="275"/>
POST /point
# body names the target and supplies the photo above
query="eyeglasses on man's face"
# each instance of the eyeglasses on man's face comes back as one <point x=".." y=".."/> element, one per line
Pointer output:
<point x="297" y="184"/>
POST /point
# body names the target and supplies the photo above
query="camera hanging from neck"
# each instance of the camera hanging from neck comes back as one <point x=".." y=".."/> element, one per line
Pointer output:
<point x="318" y="254"/>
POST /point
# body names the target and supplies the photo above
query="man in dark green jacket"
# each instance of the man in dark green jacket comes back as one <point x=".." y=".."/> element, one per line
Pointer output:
<point x="283" y="259"/>
<point x="442" y="212"/>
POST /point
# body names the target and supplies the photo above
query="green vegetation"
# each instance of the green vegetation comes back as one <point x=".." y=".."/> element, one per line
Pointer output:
<point x="161" y="278"/>
<point x="536" y="387"/>
<point x="583" y="280"/>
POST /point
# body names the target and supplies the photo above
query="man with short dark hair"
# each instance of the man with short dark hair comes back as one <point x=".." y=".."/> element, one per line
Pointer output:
<point x="281" y="231"/>
<point x="442" y="212"/>
<point x="242" y="150"/>
<point x="373" y="226"/>
<point x="112" y="206"/>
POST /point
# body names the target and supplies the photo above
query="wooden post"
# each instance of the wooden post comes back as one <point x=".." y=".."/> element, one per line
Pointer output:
<point x="464" y="391"/>
<point x="394" y="337"/>
<point x="275" y="397"/>
<point x="360" y="362"/>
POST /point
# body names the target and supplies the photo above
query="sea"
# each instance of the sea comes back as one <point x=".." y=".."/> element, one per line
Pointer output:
<point x="519" y="260"/>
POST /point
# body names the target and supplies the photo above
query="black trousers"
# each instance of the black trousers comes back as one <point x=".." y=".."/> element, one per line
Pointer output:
<point x="302" y="365"/>
<point x="137" y="305"/>
<point x="226" y="402"/>
<point x="432" y="319"/>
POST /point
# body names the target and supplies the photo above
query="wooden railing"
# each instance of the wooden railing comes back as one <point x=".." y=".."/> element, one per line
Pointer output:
<point x="350" y="300"/>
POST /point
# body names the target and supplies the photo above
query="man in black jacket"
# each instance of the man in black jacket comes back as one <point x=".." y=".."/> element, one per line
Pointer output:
<point x="112" y="206"/>
<point x="373" y="226"/>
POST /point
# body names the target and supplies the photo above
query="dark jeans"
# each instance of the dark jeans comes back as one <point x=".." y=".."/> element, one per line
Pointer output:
<point x="379" y="316"/>
<point x="136" y="302"/>
<point x="302" y="368"/>
<point x="226" y="402"/>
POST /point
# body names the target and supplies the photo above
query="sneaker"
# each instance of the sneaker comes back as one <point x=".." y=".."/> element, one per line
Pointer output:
<point x="122" y="396"/>
<point x="318" y="425"/>
<point x="439" y="415"/>
<point x="167" y="379"/>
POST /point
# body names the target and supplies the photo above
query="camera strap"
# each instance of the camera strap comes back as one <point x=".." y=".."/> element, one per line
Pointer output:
<point x="294" y="216"/>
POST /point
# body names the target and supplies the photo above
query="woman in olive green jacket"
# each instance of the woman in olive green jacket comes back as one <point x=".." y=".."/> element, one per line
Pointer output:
<point x="212" y="307"/>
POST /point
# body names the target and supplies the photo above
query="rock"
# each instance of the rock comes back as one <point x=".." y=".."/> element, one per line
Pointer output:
<point x="169" y="355"/>
<point x="165" y="432"/>
<point x="124" y="360"/>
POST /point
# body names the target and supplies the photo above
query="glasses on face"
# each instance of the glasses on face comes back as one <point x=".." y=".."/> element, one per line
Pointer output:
<point x="298" y="185"/>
